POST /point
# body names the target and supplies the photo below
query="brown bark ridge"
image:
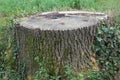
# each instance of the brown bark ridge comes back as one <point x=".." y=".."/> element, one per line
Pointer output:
<point x="59" y="39"/>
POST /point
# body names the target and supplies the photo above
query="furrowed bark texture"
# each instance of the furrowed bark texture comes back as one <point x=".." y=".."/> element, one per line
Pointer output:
<point x="56" y="48"/>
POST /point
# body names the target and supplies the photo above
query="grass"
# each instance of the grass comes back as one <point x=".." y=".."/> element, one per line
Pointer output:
<point x="10" y="9"/>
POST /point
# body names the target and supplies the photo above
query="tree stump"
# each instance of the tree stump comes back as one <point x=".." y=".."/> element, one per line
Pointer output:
<point x="59" y="39"/>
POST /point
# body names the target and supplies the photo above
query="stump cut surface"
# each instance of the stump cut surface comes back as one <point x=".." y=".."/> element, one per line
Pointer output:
<point x="63" y="20"/>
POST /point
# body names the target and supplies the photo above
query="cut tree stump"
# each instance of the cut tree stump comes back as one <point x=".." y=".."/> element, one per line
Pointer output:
<point x="59" y="39"/>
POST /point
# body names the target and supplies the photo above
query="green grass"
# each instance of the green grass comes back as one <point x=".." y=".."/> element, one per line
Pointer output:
<point x="14" y="8"/>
